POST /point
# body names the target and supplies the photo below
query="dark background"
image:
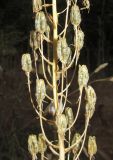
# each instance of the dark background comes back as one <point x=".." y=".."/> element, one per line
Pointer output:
<point x="17" y="118"/>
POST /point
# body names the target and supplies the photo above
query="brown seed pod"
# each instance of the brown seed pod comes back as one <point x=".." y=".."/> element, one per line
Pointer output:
<point x="37" y="5"/>
<point x="41" y="143"/>
<point x="92" y="146"/>
<point x="69" y="115"/>
<point x="75" y="15"/>
<point x="35" y="40"/>
<point x="26" y="62"/>
<point x="33" y="146"/>
<point x="83" y="76"/>
<point x="91" y="101"/>
<point x="40" y="90"/>
<point x="79" y="40"/>
<point x="40" y="22"/>
<point x="63" y="51"/>
<point x="61" y="122"/>
<point x="76" y="139"/>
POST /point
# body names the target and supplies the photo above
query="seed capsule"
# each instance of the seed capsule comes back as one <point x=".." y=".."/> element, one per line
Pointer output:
<point x="63" y="51"/>
<point x="91" y="101"/>
<point x="40" y="90"/>
<point x="40" y="22"/>
<point x="61" y="122"/>
<point x="83" y="76"/>
<point x="37" y="5"/>
<point x="92" y="146"/>
<point x="41" y="143"/>
<point x="75" y="15"/>
<point x="26" y="62"/>
<point x="79" y="40"/>
<point x="33" y="146"/>
<point x="76" y="139"/>
<point x="69" y="115"/>
<point x="86" y="4"/>
<point x="34" y="40"/>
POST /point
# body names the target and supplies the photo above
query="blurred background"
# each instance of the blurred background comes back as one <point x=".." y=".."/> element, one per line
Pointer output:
<point x="17" y="118"/>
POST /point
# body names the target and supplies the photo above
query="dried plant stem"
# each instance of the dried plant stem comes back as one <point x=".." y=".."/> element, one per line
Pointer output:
<point x="55" y="37"/>
<point x="61" y="147"/>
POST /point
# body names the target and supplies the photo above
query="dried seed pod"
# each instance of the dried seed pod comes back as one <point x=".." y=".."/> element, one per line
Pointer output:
<point x="33" y="146"/>
<point x="61" y="122"/>
<point x="86" y="4"/>
<point x="40" y="90"/>
<point x="41" y="143"/>
<point x="47" y="31"/>
<point x="34" y="40"/>
<point x="79" y="40"/>
<point x="37" y="5"/>
<point x="83" y="76"/>
<point x="75" y="15"/>
<point x="91" y="101"/>
<point x="92" y="146"/>
<point x="63" y="51"/>
<point x="40" y="22"/>
<point x="69" y="115"/>
<point x="76" y="139"/>
<point x="26" y="62"/>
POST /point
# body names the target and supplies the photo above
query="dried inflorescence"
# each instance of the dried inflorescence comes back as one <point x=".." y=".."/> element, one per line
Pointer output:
<point x="92" y="146"/>
<point x="76" y="139"/>
<point x="33" y="146"/>
<point x="63" y="51"/>
<point x="35" y="40"/>
<point x="40" y="90"/>
<point x="75" y="15"/>
<point x="90" y="101"/>
<point x="83" y="76"/>
<point x="26" y="63"/>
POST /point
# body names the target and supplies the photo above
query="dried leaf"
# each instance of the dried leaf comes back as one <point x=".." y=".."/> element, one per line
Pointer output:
<point x="101" y="67"/>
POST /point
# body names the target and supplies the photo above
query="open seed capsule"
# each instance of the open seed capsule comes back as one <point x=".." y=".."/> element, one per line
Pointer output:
<point x="33" y="146"/>
<point x="92" y="146"/>
<point x="75" y="15"/>
<point x="26" y="62"/>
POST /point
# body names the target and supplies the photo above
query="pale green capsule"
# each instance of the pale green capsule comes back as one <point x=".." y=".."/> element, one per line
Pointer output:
<point x="79" y="40"/>
<point x="69" y="115"/>
<point x="76" y="138"/>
